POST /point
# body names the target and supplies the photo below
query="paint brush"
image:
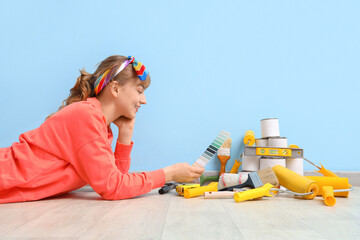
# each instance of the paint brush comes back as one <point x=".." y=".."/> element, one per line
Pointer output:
<point x="254" y="180"/>
<point x="224" y="154"/>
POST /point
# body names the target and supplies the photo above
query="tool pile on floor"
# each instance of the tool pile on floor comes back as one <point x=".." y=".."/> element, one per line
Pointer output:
<point x="268" y="168"/>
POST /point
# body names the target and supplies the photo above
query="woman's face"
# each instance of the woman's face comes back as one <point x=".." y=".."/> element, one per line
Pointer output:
<point x="131" y="98"/>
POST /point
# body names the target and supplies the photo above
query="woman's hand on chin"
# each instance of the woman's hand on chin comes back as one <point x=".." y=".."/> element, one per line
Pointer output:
<point x="126" y="128"/>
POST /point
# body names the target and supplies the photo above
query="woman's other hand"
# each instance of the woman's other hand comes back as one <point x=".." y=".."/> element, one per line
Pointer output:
<point x="182" y="172"/>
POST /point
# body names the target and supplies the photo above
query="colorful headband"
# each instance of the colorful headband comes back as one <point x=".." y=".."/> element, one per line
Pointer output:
<point x="109" y="74"/>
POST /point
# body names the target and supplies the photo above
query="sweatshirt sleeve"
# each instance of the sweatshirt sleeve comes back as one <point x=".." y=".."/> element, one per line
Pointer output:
<point x="95" y="163"/>
<point x="122" y="156"/>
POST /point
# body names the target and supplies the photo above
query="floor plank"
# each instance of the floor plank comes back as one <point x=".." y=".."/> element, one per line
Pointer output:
<point x="82" y="214"/>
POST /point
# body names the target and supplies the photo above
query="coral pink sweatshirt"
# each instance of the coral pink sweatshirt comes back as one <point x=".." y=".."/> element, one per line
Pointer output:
<point x="69" y="150"/>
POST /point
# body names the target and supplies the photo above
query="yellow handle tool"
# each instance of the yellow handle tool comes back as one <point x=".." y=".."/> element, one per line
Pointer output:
<point x="295" y="182"/>
<point x="328" y="195"/>
<point x="254" y="193"/>
<point x="335" y="182"/>
<point x="236" y="166"/>
<point x="193" y="192"/>
<point x="249" y="138"/>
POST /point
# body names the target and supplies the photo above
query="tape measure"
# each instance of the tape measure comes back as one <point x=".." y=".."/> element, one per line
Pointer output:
<point x="274" y="152"/>
<point x="181" y="188"/>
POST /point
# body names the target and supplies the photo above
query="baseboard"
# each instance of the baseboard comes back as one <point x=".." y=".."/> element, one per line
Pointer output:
<point x="354" y="177"/>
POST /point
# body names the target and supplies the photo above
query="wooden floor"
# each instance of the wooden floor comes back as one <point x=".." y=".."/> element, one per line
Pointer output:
<point x="83" y="215"/>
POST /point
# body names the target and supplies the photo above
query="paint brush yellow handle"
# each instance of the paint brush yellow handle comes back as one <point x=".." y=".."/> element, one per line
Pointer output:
<point x="236" y="166"/>
<point x="254" y="193"/>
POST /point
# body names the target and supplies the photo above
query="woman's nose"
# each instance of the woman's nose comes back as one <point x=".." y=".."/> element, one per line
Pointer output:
<point x="143" y="99"/>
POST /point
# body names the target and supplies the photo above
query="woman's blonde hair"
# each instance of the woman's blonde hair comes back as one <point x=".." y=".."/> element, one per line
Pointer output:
<point x="84" y="86"/>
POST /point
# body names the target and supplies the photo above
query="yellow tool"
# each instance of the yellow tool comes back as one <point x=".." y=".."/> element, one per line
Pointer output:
<point x="336" y="182"/>
<point x="193" y="192"/>
<point x="236" y="165"/>
<point x="295" y="182"/>
<point x="254" y="193"/>
<point x="328" y="195"/>
<point x="273" y="152"/>
<point x="249" y="138"/>
<point x="181" y="188"/>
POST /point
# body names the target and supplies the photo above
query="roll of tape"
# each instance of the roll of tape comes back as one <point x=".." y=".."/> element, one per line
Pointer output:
<point x="271" y="162"/>
<point x="261" y="142"/>
<point x="250" y="163"/>
<point x="280" y="142"/>
<point x="296" y="165"/>
<point x="270" y="127"/>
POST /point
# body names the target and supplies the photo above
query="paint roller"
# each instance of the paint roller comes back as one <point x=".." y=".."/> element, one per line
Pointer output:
<point x="296" y="183"/>
<point x="330" y="182"/>
<point x="340" y="185"/>
<point x="249" y="138"/>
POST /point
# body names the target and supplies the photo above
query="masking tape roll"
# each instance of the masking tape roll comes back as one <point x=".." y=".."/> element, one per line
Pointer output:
<point x="249" y="138"/>
<point x="270" y="127"/>
<point x="261" y="142"/>
<point x="335" y="182"/>
<point x="270" y="162"/>
<point x="250" y="163"/>
<point x="280" y="142"/>
<point x="295" y="182"/>
<point x="328" y="195"/>
<point x="296" y="165"/>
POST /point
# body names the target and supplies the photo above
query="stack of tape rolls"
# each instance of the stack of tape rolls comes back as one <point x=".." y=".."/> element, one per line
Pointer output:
<point x="271" y="162"/>
<point x="295" y="164"/>
<point x="270" y="127"/>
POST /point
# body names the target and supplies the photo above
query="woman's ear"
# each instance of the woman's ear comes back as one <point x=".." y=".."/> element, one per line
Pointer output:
<point x="114" y="88"/>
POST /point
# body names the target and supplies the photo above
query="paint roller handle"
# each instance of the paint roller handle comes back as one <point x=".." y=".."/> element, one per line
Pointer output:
<point x="288" y="191"/>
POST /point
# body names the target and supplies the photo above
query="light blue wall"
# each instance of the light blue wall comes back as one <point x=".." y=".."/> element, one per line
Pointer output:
<point x="214" y="65"/>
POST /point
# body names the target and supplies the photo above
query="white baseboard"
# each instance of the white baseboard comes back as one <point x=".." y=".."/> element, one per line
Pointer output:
<point x="354" y="177"/>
